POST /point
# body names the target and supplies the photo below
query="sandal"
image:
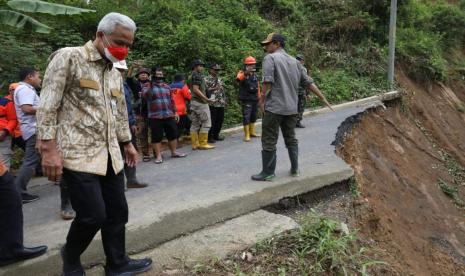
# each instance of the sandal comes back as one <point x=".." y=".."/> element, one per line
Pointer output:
<point x="146" y="158"/>
<point x="158" y="161"/>
<point x="179" y="155"/>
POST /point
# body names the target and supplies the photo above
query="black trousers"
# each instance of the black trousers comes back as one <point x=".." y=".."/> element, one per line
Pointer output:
<point x="130" y="172"/>
<point x="217" y="116"/>
<point x="100" y="204"/>
<point x="11" y="216"/>
<point x="184" y="125"/>
<point x="249" y="112"/>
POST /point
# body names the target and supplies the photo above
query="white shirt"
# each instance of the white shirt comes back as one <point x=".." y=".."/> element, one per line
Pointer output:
<point x="26" y="94"/>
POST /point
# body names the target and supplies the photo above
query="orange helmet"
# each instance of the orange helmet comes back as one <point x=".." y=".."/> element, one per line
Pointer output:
<point x="250" y="60"/>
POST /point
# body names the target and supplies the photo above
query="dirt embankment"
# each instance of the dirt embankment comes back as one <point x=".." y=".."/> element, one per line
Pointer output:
<point x="406" y="159"/>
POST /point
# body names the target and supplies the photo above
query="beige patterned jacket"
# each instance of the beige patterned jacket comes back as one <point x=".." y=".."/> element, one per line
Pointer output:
<point x="84" y="109"/>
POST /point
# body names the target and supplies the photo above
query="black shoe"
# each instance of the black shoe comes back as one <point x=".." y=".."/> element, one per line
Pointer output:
<point x="70" y="269"/>
<point x="299" y="125"/>
<point x="131" y="268"/>
<point x="219" y="138"/>
<point x="22" y="254"/>
<point x="211" y="141"/>
<point x="137" y="185"/>
<point x="29" y="198"/>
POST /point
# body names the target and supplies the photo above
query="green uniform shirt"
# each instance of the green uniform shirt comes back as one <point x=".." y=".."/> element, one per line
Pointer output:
<point x="197" y="79"/>
<point x="303" y="86"/>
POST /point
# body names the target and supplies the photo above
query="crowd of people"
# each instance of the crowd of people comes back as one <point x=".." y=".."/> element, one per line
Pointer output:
<point x="95" y="116"/>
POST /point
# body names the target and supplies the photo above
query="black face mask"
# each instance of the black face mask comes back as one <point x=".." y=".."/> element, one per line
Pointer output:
<point x="158" y="79"/>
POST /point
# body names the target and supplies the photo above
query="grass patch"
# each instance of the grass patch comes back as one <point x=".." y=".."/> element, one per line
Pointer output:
<point x="319" y="246"/>
<point x="451" y="192"/>
<point x="457" y="174"/>
<point x="353" y="186"/>
<point x="460" y="108"/>
<point x="454" y="169"/>
<point x="404" y="106"/>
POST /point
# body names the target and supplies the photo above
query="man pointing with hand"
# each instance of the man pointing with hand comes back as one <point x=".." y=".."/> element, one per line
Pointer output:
<point x="282" y="76"/>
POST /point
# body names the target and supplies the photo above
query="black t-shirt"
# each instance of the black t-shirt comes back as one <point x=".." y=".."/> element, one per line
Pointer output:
<point x="140" y="104"/>
<point x="248" y="88"/>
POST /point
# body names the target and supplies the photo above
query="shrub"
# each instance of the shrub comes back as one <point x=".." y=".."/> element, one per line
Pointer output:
<point x="449" y="21"/>
<point x="421" y="51"/>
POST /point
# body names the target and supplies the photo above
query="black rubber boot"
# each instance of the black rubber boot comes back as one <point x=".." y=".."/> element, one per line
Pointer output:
<point x="294" y="157"/>
<point x="299" y="125"/>
<point x="269" y="165"/>
<point x="211" y="139"/>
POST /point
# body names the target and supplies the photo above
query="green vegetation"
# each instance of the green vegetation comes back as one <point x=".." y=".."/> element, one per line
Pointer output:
<point x="457" y="174"/>
<point x="318" y="247"/>
<point x="344" y="42"/>
<point x="429" y="37"/>
<point x="21" y="20"/>
<point x="456" y="188"/>
<point x="451" y="192"/>
<point x="354" y="187"/>
<point x="460" y="108"/>
<point x="455" y="170"/>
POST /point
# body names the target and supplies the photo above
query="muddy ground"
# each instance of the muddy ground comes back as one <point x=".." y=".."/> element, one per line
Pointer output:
<point x="400" y="155"/>
<point x="407" y="196"/>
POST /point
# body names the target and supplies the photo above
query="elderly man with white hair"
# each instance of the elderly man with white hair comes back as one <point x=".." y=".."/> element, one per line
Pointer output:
<point x="82" y="119"/>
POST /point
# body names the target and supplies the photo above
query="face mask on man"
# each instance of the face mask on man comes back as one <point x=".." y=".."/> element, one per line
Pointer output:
<point x="158" y="79"/>
<point x="114" y="54"/>
<point x="250" y="68"/>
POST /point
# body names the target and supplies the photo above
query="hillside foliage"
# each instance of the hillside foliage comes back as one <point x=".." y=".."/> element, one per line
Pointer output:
<point x="344" y="42"/>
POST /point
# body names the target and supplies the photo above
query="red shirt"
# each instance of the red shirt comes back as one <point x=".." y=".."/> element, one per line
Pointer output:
<point x="180" y="95"/>
<point x="8" y="118"/>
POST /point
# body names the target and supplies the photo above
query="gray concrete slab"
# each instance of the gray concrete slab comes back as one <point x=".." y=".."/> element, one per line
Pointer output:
<point x="203" y="189"/>
<point x="214" y="242"/>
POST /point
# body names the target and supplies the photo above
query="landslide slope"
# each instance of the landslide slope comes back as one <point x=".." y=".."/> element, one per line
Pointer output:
<point x="408" y="161"/>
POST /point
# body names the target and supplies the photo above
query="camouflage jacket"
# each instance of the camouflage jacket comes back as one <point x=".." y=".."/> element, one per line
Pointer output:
<point x="216" y="87"/>
<point x="83" y="107"/>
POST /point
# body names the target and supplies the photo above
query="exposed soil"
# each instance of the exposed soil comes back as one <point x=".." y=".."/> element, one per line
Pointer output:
<point x="399" y="154"/>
